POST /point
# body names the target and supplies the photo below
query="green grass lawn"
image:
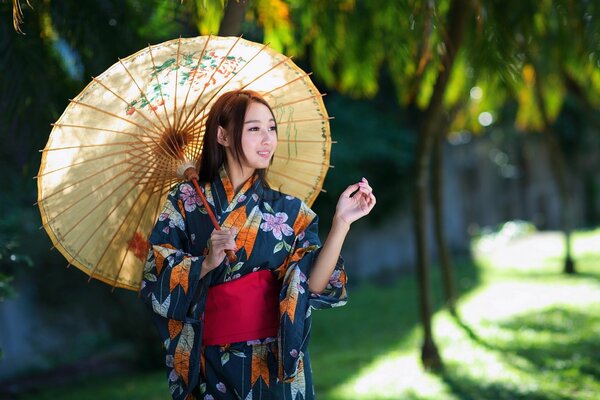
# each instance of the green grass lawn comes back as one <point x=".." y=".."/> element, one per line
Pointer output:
<point x="524" y="330"/>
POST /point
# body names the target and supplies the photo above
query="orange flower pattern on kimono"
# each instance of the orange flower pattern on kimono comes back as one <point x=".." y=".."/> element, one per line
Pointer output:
<point x="276" y="232"/>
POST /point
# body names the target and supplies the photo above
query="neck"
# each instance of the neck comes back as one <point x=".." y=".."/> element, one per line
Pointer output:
<point x="238" y="175"/>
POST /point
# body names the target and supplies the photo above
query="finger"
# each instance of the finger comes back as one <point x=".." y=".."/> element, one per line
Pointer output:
<point x="372" y="201"/>
<point x="350" y="189"/>
<point x="221" y="233"/>
<point x="365" y="185"/>
<point x="227" y="242"/>
<point x="364" y="190"/>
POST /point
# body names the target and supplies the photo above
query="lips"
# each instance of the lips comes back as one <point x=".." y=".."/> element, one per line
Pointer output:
<point x="264" y="153"/>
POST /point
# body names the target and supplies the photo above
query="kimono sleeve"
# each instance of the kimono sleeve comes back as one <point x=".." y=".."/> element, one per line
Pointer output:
<point x="172" y="288"/>
<point x="172" y="274"/>
<point x="296" y="301"/>
<point x="306" y="249"/>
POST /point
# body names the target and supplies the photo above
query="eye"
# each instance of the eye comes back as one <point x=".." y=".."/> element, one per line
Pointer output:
<point x="273" y="128"/>
<point x="254" y="129"/>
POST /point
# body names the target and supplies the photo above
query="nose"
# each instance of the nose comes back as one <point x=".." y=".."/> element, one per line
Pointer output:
<point x="267" y="137"/>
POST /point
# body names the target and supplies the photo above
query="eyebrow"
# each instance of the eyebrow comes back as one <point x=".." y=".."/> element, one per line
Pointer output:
<point x="256" y="120"/>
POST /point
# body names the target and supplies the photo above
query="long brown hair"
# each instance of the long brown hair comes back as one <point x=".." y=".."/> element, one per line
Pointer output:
<point x="229" y="112"/>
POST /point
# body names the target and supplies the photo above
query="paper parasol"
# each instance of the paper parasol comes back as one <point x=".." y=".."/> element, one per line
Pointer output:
<point x="113" y="155"/>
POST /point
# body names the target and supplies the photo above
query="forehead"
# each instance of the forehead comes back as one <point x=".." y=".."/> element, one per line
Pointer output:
<point x="257" y="112"/>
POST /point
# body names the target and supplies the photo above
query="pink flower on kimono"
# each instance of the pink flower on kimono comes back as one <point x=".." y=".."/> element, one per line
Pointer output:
<point x="276" y="223"/>
<point x="170" y="362"/>
<point x="334" y="279"/>
<point x="302" y="280"/>
<point x="294" y="353"/>
<point x="221" y="387"/>
<point x="190" y="198"/>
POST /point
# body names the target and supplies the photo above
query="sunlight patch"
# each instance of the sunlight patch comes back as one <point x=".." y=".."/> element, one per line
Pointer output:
<point x="392" y="376"/>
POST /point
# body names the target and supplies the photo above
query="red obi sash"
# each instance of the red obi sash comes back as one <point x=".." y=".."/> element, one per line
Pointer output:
<point x="243" y="309"/>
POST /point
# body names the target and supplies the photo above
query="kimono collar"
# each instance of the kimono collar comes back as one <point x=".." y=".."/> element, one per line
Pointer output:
<point x="224" y="197"/>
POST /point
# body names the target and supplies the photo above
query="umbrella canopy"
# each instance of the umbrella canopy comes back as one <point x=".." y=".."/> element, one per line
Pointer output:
<point x="115" y="152"/>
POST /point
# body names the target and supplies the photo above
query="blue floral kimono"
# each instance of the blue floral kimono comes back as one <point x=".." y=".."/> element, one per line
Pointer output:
<point x="276" y="232"/>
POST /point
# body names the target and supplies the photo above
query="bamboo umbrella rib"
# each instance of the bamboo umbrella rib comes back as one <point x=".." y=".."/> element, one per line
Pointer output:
<point x="201" y="95"/>
<point x="310" y="185"/>
<point x="158" y="180"/>
<point x="324" y="141"/>
<point x="298" y="160"/>
<point x="233" y="75"/>
<point x="143" y="94"/>
<point x="135" y="184"/>
<point x="131" y="134"/>
<point x="270" y="92"/>
<point x="144" y="142"/>
<point x="115" y="236"/>
<point x="100" y="224"/>
<point x="164" y="106"/>
<point x="143" y="115"/>
<point x="84" y="146"/>
<point x="91" y="192"/>
<point x="196" y="149"/>
<point x="100" y="110"/>
<point x="157" y="175"/>
<point x="319" y="95"/>
<point x="305" y="120"/>
<point x="176" y="83"/>
<point x="159" y="169"/>
<point x="139" y="222"/>
<point x="165" y="186"/>
<point x="106" y="155"/>
<point x="137" y="165"/>
<point x="62" y="189"/>
<point x="202" y="53"/>
<point x="145" y="187"/>
<point x="286" y="59"/>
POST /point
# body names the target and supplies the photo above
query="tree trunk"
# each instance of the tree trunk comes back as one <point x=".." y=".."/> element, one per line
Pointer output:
<point x="437" y="192"/>
<point x="558" y="167"/>
<point x="231" y="23"/>
<point x="457" y="19"/>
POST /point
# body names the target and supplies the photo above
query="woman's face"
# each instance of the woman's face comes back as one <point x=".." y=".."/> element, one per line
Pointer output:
<point x="259" y="136"/>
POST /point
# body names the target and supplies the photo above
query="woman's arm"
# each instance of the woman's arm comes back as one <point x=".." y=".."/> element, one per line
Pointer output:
<point x="354" y="203"/>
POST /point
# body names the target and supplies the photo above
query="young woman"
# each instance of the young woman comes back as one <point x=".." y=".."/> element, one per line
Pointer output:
<point x="239" y="330"/>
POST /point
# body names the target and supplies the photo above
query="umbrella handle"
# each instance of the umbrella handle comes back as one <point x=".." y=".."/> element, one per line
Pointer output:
<point x="230" y="254"/>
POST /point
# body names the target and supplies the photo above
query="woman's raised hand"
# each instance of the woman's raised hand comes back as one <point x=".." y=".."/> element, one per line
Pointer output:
<point x="355" y="202"/>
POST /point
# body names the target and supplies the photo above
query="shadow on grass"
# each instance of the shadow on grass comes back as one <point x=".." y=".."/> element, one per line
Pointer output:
<point x="469" y="388"/>
<point x="558" y="346"/>
<point x="558" y="341"/>
<point x="379" y="318"/>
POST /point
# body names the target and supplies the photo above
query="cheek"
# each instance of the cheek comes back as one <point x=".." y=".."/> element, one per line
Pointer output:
<point x="248" y="143"/>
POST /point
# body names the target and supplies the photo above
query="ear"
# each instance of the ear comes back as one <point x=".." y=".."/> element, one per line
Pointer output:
<point x="222" y="137"/>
